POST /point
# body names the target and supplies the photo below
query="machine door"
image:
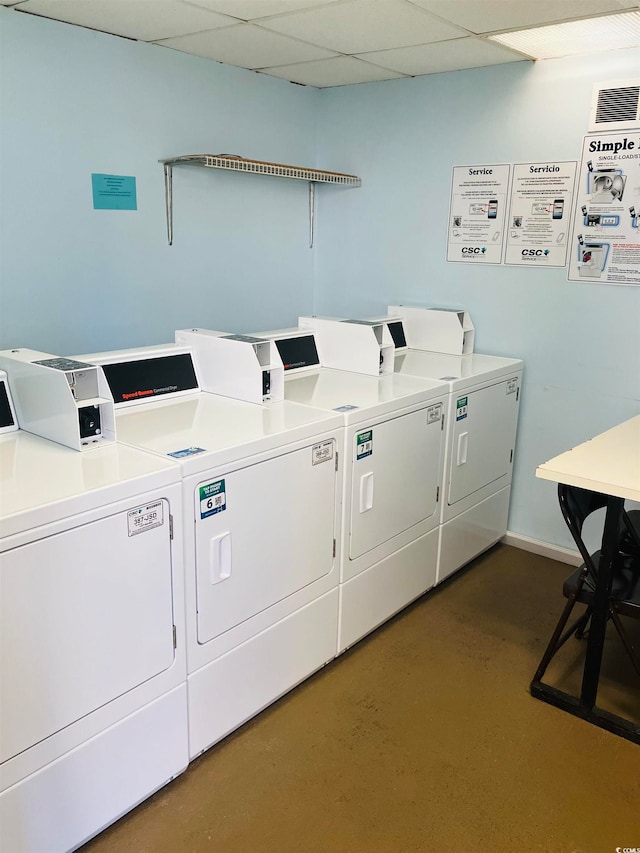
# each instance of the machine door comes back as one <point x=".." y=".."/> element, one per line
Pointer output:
<point x="483" y="436"/>
<point x="263" y="532"/>
<point x="85" y="616"/>
<point x="395" y="469"/>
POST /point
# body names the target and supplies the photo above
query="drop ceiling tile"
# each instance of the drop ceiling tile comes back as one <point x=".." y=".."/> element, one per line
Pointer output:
<point x="247" y="10"/>
<point x="247" y="46"/>
<point x="486" y="16"/>
<point x="357" y="26"/>
<point x="443" y="56"/>
<point x="341" y="71"/>
<point x="130" y="18"/>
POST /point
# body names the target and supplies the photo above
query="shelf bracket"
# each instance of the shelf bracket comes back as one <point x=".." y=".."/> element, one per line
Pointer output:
<point x="168" y="199"/>
<point x="312" y="209"/>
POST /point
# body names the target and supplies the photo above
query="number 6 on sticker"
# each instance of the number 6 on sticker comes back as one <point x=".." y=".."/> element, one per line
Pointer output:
<point x="213" y="498"/>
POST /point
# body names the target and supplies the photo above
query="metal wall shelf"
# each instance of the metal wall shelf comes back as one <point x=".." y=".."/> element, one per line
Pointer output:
<point x="234" y="163"/>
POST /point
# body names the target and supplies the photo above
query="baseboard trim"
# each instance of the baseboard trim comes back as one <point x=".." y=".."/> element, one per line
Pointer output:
<point x="536" y="546"/>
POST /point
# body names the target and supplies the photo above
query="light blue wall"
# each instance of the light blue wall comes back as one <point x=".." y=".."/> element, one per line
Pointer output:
<point x="580" y="342"/>
<point x="75" y="280"/>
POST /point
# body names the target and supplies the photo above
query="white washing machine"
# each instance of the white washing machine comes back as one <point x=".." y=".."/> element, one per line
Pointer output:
<point x="592" y="257"/>
<point x="261" y="515"/>
<point x="393" y="448"/>
<point x="93" y="691"/>
<point x="482" y="419"/>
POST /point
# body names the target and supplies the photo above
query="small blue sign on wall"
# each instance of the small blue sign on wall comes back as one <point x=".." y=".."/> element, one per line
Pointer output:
<point x="114" y="192"/>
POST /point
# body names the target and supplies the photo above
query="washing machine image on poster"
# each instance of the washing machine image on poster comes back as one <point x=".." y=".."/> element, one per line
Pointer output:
<point x="605" y="241"/>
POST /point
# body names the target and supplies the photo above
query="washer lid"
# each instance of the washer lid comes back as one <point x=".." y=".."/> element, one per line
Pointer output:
<point x="42" y="482"/>
<point x="205" y="430"/>
<point x="358" y="396"/>
<point x="459" y="371"/>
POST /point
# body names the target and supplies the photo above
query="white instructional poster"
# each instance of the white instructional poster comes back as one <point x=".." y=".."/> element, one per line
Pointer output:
<point x="477" y="214"/>
<point x="605" y="243"/>
<point x="539" y="218"/>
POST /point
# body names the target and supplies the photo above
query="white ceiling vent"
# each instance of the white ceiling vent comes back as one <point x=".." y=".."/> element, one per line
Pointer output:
<point x="615" y="106"/>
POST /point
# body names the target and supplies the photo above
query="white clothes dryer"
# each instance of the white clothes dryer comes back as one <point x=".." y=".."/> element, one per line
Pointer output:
<point x="261" y="515"/>
<point x="393" y="449"/>
<point x="93" y="692"/>
<point x="482" y="418"/>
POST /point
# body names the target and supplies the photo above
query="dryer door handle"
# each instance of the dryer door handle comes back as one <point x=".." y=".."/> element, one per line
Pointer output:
<point x="220" y="557"/>
<point x="366" y="492"/>
<point x="463" y="444"/>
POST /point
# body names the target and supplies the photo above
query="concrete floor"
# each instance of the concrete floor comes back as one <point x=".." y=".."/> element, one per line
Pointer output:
<point x="421" y="738"/>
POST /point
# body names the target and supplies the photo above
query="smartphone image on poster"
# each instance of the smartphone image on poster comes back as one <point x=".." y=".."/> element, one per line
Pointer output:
<point x="493" y="208"/>
<point x="558" y="208"/>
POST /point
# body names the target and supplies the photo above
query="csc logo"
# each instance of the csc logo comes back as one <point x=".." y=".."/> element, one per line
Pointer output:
<point x="473" y="250"/>
<point x="534" y="253"/>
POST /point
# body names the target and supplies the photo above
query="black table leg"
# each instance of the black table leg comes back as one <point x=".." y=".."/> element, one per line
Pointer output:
<point x="585" y="705"/>
<point x="600" y="610"/>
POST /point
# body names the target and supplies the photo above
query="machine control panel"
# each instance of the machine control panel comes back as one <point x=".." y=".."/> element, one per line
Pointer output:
<point x="244" y="367"/>
<point x="61" y="399"/>
<point x="244" y="339"/>
<point x="64" y="364"/>
<point x="7" y="417"/>
<point x="144" y="378"/>
<point x="397" y="333"/>
<point x="298" y="352"/>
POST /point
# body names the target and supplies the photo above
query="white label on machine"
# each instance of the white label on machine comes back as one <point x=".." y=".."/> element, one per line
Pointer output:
<point x="322" y="452"/>
<point x="462" y="408"/>
<point x="213" y="498"/>
<point x="144" y="518"/>
<point x="364" y="444"/>
<point x="512" y="385"/>
<point x="434" y="413"/>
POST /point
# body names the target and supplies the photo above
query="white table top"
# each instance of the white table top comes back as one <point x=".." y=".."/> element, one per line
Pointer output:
<point x="608" y="463"/>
